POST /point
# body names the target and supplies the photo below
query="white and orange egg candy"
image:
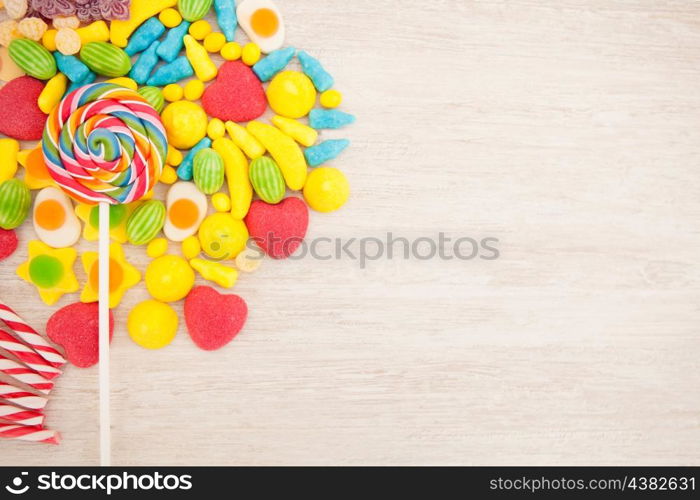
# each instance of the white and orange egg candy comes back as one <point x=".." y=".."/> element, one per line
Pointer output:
<point x="186" y="208"/>
<point x="55" y="222"/>
<point x="262" y="22"/>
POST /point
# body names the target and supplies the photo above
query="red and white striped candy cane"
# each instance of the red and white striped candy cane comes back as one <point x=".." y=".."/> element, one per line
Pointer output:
<point x="21" y="416"/>
<point x="25" y="375"/>
<point x="27" y="356"/>
<point x="17" y="396"/>
<point x="29" y="433"/>
<point x="30" y="336"/>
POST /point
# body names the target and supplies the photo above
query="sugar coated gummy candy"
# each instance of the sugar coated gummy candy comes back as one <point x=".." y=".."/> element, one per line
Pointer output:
<point x="314" y="70"/>
<point x="171" y="46"/>
<point x="274" y="63"/>
<point x="326" y="151"/>
<point x="329" y="119"/>
<point x="172" y="72"/>
<point x="144" y="65"/>
<point x="226" y="18"/>
<point x="144" y="36"/>
<point x="72" y="67"/>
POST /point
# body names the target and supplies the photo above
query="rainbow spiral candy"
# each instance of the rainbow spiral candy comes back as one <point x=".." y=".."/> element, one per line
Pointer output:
<point x="105" y="143"/>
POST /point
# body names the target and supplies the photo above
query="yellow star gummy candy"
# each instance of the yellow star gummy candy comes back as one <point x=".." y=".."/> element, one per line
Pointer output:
<point x="50" y="271"/>
<point x="122" y="276"/>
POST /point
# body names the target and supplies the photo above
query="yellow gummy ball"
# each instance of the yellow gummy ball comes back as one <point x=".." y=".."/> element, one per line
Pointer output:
<point x="221" y="202"/>
<point x="291" y="94"/>
<point x="152" y="324"/>
<point x="169" y="278"/>
<point x="214" y="41"/>
<point x="172" y="92"/>
<point x="170" y="18"/>
<point x="48" y="39"/>
<point x="331" y="99"/>
<point x="222" y="237"/>
<point x="216" y="129"/>
<point x="194" y="90"/>
<point x="231" y="51"/>
<point x="200" y="29"/>
<point x="174" y="157"/>
<point x="326" y="189"/>
<point x="157" y="248"/>
<point x="191" y="247"/>
<point x="185" y="123"/>
<point x="251" y="53"/>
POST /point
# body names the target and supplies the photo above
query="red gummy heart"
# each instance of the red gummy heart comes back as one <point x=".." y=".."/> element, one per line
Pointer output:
<point x="278" y="229"/>
<point x="236" y="95"/>
<point x="213" y="319"/>
<point x="76" y="329"/>
<point x="8" y="243"/>
<point x="21" y="117"/>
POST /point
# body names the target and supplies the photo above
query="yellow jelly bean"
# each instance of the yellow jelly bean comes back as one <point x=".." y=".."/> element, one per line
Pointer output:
<point x="249" y="260"/>
<point x="191" y="247"/>
<point x="169" y="175"/>
<point x="140" y="10"/>
<point x="95" y="32"/>
<point x="9" y="148"/>
<point x="220" y="274"/>
<point x="194" y="90"/>
<point x="199" y="58"/>
<point x="52" y="93"/>
<point x="170" y="18"/>
<point x="157" y="248"/>
<point x="331" y="99"/>
<point x="326" y="189"/>
<point x="303" y="134"/>
<point x="152" y="324"/>
<point x="216" y="129"/>
<point x="221" y="202"/>
<point x="231" y="51"/>
<point x="48" y="40"/>
<point x="285" y="152"/>
<point x="200" y="29"/>
<point x="236" y="167"/>
<point x="174" y="157"/>
<point x="242" y="138"/>
<point x="214" y="42"/>
<point x="251" y="53"/>
<point x="124" y="82"/>
<point x="173" y="92"/>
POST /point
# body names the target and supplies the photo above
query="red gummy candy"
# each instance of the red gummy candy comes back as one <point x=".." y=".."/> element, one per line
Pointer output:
<point x="278" y="229"/>
<point x="236" y="95"/>
<point x="76" y="329"/>
<point x="8" y="243"/>
<point x="21" y="117"/>
<point x="213" y="319"/>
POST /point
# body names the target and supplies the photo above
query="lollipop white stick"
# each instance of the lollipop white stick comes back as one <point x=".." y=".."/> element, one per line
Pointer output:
<point x="103" y="249"/>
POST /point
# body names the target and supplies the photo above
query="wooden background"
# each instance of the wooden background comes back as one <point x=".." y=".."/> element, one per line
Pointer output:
<point x="570" y="131"/>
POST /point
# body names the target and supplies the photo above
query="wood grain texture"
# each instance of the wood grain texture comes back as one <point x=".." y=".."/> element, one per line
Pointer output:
<point x="570" y="131"/>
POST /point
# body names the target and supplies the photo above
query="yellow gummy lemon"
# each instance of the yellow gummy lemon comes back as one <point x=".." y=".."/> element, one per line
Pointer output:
<point x="326" y="189"/>
<point x="169" y="278"/>
<point x="291" y="94"/>
<point x="186" y="124"/>
<point x="152" y="324"/>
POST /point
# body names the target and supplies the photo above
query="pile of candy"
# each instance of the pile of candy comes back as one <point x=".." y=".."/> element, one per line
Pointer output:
<point x="164" y="107"/>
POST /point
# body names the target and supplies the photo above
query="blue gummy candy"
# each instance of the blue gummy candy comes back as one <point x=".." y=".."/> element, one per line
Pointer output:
<point x="275" y="62"/>
<point x="184" y="171"/>
<point x="177" y="70"/>
<point x="144" y="36"/>
<point x="89" y="78"/>
<point x="329" y="118"/>
<point x="226" y="18"/>
<point x="172" y="45"/>
<point x="313" y="69"/>
<point x="143" y="67"/>
<point x="326" y="151"/>
<point x="72" y="67"/>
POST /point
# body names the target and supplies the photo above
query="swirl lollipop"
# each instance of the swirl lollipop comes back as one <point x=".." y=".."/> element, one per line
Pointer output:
<point x="104" y="144"/>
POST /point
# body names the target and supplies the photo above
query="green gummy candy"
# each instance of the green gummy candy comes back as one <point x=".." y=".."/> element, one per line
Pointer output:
<point x="193" y="10"/>
<point x="267" y="180"/>
<point x="15" y="201"/>
<point x="45" y="271"/>
<point x="33" y="58"/>
<point x="145" y="223"/>
<point x="116" y="216"/>
<point x="154" y="96"/>
<point x="208" y="171"/>
<point x="105" y="59"/>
